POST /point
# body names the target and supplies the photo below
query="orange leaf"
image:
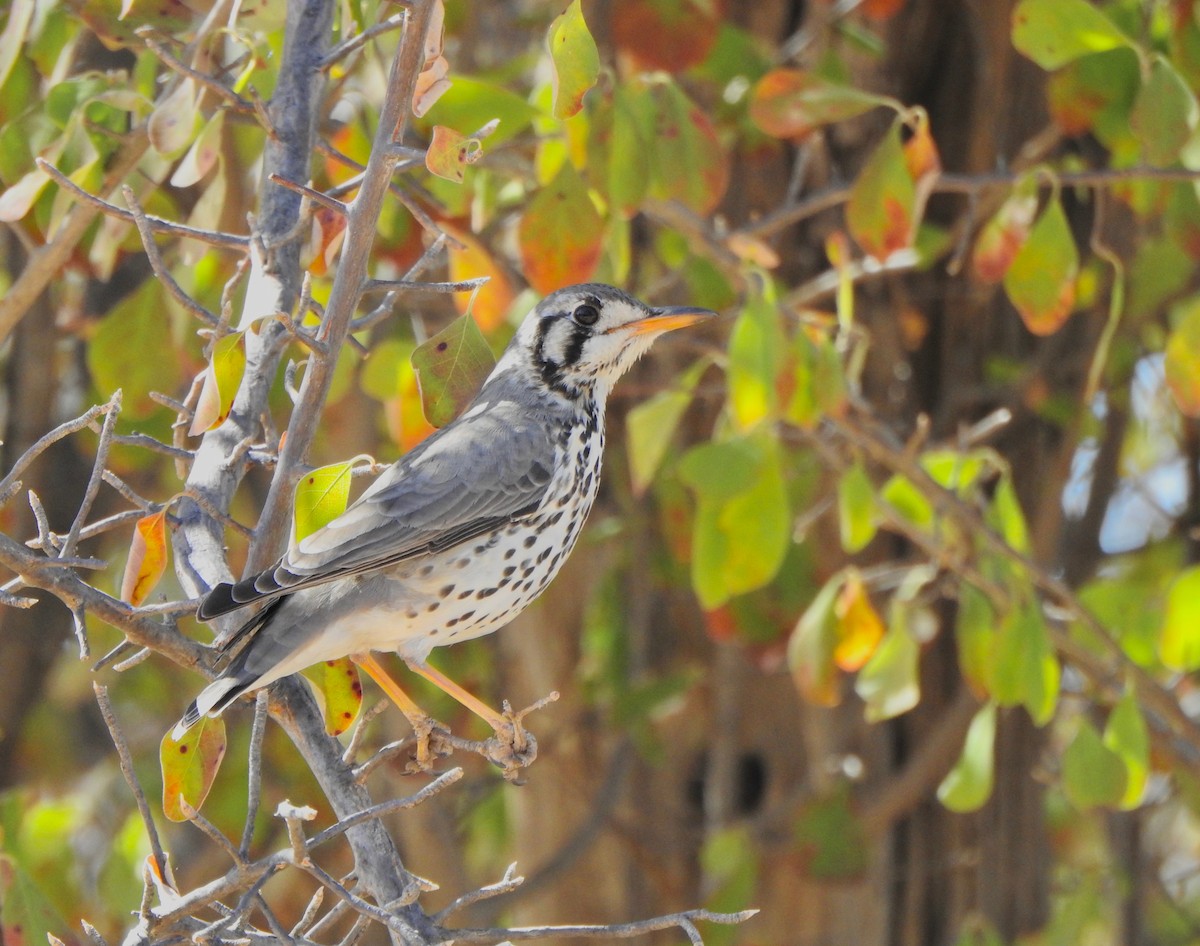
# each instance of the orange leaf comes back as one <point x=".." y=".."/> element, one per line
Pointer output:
<point x="325" y="240"/>
<point x="1041" y="280"/>
<point x="560" y="234"/>
<point x="432" y="81"/>
<point x="791" y="103"/>
<point x="882" y="9"/>
<point x="859" y="627"/>
<point x="147" y="558"/>
<point x="472" y="260"/>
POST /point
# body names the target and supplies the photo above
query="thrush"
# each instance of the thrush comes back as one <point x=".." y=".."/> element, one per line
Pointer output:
<point x="462" y="533"/>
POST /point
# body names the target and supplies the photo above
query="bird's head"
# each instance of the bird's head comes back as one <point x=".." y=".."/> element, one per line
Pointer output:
<point x="583" y="338"/>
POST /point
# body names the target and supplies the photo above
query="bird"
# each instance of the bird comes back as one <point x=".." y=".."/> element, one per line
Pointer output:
<point x="464" y="531"/>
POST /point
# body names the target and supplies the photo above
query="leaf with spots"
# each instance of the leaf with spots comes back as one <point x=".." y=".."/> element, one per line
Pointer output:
<point x="451" y="366"/>
<point x="690" y="164"/>
<point x="881" y="212"/>
<point x="449" y="153"/>
<point x="321" y="497"/>
<point x="339" y="691"/>
<point x="222" y="379"/>
<point x="561" y="234"/>
<point x="575" y="60"/>
<point x="1040" y="282"/>
<point x="1006" y="232"/>
<point x="147" y="558"/>
<point x="189" y="766"/>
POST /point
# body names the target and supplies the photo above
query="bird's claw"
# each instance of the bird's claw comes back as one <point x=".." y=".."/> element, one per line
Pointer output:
<point x="512" y="747"/>
<point x="432" y="743"/>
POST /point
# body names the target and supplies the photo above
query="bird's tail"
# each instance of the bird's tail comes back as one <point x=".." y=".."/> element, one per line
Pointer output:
<point x="212" y="701"/>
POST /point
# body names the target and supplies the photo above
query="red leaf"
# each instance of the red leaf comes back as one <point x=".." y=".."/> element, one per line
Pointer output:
<point x="667" y="34"/>
<point x="1003" y="235"/>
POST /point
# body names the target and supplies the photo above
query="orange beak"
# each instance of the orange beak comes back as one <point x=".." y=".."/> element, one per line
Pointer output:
<point x="669" y="318"/>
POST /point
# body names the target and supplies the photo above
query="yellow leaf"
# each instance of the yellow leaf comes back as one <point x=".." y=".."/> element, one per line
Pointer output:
<point x="147" y="558"/>
<point x="190" y="765"/>
<point x="859" y="627"/>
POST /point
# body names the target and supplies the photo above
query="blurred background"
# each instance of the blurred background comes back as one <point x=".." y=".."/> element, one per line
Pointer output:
<point x="885" y="620"/>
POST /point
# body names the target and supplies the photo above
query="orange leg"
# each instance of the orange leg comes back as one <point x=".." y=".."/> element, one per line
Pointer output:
<point x="389" y="686"/>
<point x="469" y="700"/>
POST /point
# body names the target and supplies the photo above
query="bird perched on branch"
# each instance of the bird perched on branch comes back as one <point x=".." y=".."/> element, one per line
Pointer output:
<point x="455" y="539"/>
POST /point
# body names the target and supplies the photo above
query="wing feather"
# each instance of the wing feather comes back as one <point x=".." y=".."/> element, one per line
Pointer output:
<point x="483" y="471"/>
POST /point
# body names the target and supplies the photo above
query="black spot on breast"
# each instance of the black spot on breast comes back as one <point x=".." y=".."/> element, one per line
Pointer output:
<point x="511" y="568"/>
<point x="486" y="592"/>
<point x="530" y="541"/>
<point x="445" y="591"/>
<point x="464" y="594"/>
<point x="433" y="606"/>
<point x="452" y="622"/>
<point x="509" y="554"/>
<point x="466" y="615"/>
<point x="544" y="554"/>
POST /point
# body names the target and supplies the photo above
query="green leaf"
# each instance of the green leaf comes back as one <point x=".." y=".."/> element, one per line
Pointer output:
<point x="1126" y="734"/>
<point x="321" y="497"/>
<point x="889" y="683"/>
<point x="1182" y="359"/>
<point x="451" y="367"/>
<point x="560" y="234"/>
<point x="1179" y="644"/>
<point x="221" y="382"/>
<point x="1093" y="775"/>
<point x="756" y="353"/>
<point x="973" y="631"/>
<point x="575" y="59"/>
<point x="340" y="692"/>
<point x="881" y="211"/>
<point x="133" y="350"/>
<point x="810" y="651"/>
<point x="650" y="424"/>
<point x="630" y="145"/>
<point x="969" y="783"/>
<point x="742" y="527"/>
<point x="818" y="382"/>
<point x="1054" y="32"/>
<point x="905" y="498"/>
<point x="471" y="104"/>
<point x="831" y="841"/>
<point x="1041" y="280"/>
<point x="689" y="163"/>
<point x="1006" y="516"/>
<point x="790" y="103"/>
<point x="1024" y="668"/>
<point x="190" y="765"/>
<point x="1164" y="114"/>
<point x="729" y="858"/>
<point x="856" y="508"/>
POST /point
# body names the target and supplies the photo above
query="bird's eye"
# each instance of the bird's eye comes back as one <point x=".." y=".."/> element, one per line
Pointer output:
<point x="586" y="314"/>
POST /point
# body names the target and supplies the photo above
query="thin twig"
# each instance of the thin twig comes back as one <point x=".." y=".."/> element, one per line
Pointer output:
<point x="218" y="88"/>
<point x="316" y="196"/>
<point x="387" y="807"/>
<point x="174" y="290"/>
<point x="93" y="484"/>
<point x="344" y="49"/>
<point x="682" y="920"/>
<point x="231" y="241"/>
<point x="254" y="773"/>
<point x="506" y="884"/>
<point x="405" y="285"/>
<point x="126" y="761"/>
<point x="47" y="440"/>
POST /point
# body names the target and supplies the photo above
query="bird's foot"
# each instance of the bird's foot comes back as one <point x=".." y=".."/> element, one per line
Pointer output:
<point x="433" y="743"/>
<point x="512" y="747"/>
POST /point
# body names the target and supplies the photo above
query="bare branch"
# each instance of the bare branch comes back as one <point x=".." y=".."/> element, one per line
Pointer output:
<point x="684" y="921"/>
<point x="156" y="261"/>
<point x="93" y="484"/>
<point x="230" y="241"/>
<point x="316" y="196"/>
<point x="47" y="440"/>
<point x="344" y="49"/>
<point x="506" y="884"/>
<point x="126" y="760"/>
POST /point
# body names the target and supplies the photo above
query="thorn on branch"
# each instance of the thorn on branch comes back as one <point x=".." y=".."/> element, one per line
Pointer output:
<point x="316" y="196"/>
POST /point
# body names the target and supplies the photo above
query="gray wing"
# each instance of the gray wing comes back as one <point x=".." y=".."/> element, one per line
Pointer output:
<point x="479" y="473"/>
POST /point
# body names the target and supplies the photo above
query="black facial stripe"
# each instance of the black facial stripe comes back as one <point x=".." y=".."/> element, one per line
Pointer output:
<point x="574" y="348"/>
<point x="552" y="374"/>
